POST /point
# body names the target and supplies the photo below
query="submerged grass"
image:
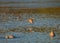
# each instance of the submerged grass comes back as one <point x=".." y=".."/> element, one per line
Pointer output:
<point x="35" y="29"/>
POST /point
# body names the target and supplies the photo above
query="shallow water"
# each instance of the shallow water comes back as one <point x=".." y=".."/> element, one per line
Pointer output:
<point x="11" y="21"/>
<point x="33" y="37"/>
<point x="37" y="4"/>
<point x="26" y="0"/>
<point x="39" y="20"/>
<point x="33" y="5"/>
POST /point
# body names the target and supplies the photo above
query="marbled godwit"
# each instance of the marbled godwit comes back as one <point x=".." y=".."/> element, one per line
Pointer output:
<point x="9" y="36"/>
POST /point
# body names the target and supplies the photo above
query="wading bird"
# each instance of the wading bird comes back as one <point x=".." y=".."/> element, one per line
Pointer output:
<point x="52" y="34"/>
<point x="30" y="20"/>
<point x="9" y="36"/>
<point x="30" y="29"/>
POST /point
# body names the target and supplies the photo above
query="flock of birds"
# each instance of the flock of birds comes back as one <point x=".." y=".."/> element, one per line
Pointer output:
<point x="52" y="34"/>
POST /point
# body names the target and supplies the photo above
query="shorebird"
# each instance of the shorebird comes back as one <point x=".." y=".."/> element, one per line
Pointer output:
<point x="30" y="20"/>
<point x="30" y="29"/>
<point x="9" y="36"/>
<point x="52" y="34"/>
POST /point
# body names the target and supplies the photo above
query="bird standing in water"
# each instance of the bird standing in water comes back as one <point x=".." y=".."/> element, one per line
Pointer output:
<point x="30" y="29"/>
<point x="9" y="36"/>
<point x="52" y="34"/>
<point x="30" y="20"/>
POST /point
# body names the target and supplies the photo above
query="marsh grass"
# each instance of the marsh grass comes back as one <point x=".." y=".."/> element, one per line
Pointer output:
<point x="10" y="10"/>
